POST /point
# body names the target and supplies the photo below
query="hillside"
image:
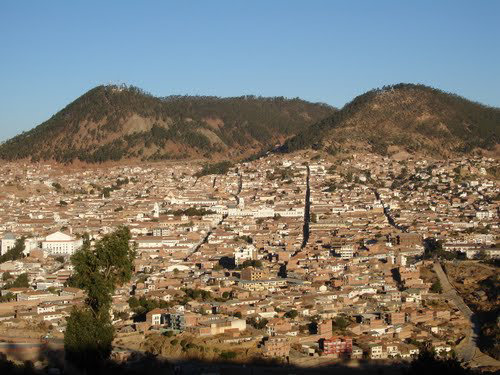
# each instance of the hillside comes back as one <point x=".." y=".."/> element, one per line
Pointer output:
<point x="115" y="123"/>
<point x="404" y="117"/>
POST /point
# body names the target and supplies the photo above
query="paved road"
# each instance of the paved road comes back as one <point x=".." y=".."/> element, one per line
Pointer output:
<point x="467" y="350"/>
<point x="307" y="210"/>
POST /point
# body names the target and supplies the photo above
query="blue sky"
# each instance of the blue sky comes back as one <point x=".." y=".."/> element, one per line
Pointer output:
<point x="51" y="52"/>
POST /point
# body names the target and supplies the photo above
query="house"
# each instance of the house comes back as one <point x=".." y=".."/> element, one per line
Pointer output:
<point x="8" y="242"/>
<point x="278" y="326"/>
<point x="217" y="327"/>
<point x="251" y="273"/>
<point x="245" y="253"/>
<point x="156" y="317"/>
<point x="377" y="351"/>
<point x="357" y="352"/>
<point x="338" y="346"/>
<point x="276" y="347"/>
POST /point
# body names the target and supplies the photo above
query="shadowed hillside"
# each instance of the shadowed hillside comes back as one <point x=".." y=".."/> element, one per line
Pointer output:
<point x="115" y="122"/>
<point x="404" y="117"/>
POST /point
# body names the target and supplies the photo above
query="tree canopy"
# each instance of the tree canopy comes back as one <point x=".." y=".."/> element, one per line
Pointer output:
<point x="15" y="253"/>
<point x="99" y="269"/>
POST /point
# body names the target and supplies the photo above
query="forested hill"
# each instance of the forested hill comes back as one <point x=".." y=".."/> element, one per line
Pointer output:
<point x="117" y="122"/>
<point x="404" y="117"/>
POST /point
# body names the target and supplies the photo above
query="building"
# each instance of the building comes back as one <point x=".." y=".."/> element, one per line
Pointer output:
<point x="219" y="326"/>
<point x="276" y="347"/>
<point x="180" y="321"/>
<point x="258" y="285"/>
<point x="339" y="346"/>
<point x="325" y="329"/>
<point x="156" y="317"/>
<point x="346" y="251"/>
<point x="59" y="243"/>
<point x="245" y="253"/>
<point x="251" y="273"/>
<point x="8" y="242"/>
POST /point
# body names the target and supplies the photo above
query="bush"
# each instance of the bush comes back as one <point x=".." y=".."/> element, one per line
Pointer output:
<point x="228" y="355"/>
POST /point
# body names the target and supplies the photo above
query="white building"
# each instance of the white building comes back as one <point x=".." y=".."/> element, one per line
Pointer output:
<point x="59" y="243"/>
<point x="8" y="242"/>
<point x="346" y="251"/>
<point x="245" y="253"/>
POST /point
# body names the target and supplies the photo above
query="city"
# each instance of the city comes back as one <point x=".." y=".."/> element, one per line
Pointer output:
<point x="302" y="258"/>
<point x="226" y="187"/>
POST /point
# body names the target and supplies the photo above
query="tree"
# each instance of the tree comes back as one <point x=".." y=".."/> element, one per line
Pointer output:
<point x="8" y="297"/>
<point x="436" y="287"/>
<point x="98" y="270"/>
<point x="15" y="253"/>
<point x="88" y="337"/>
<point x="481" y="255"/>
<point x="340" y="323"/>
<point x="21" y="281"/>
<point x="292" y="314"/>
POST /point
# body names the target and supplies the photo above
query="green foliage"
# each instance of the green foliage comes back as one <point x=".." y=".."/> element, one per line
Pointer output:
<point x="15" y="253"/>
<point x="413" y="117"/>
<point x="98" y="270"/>
<point x="434" y="248"/>
<point x="121" y="315"/>
<point x="436" y="287"/>
<point x="292" y="314"/>
<point x="340" y="323"/>
<point x="260" y="324"/>
<point x="251" y="263"/>
<point x="8" y="297"/>
<point x="228" y="355"/>
<point x="141" y="306"/>
<point x="57" y="186"/>
<point x="281" y="174"/>
<point x="215" y="168"/>
<point x="198" y="294"/>
<point x="88" y="337"/>
<point x="246" y="239"/>
<point x="101" y="268"/>
<point x="177" y="119"/>
<point x="191" y="211"/>
<point x="21" y="281"/>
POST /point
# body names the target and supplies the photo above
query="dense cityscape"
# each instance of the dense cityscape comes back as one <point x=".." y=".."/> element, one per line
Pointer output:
<point x="299" y="258"/>
<point x="249" y="187"/>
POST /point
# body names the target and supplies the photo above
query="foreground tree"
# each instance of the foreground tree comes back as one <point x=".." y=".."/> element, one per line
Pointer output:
<point x="99" y="269"/>
<point x="88" y="338"/>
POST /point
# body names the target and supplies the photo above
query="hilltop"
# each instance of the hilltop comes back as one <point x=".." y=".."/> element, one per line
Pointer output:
<point x="120" y="122"/>
<point x="404" y="117"/>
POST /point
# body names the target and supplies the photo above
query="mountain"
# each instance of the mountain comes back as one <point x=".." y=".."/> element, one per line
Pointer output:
<point x="119" y="122"/>
<point x="404" y="117"/>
